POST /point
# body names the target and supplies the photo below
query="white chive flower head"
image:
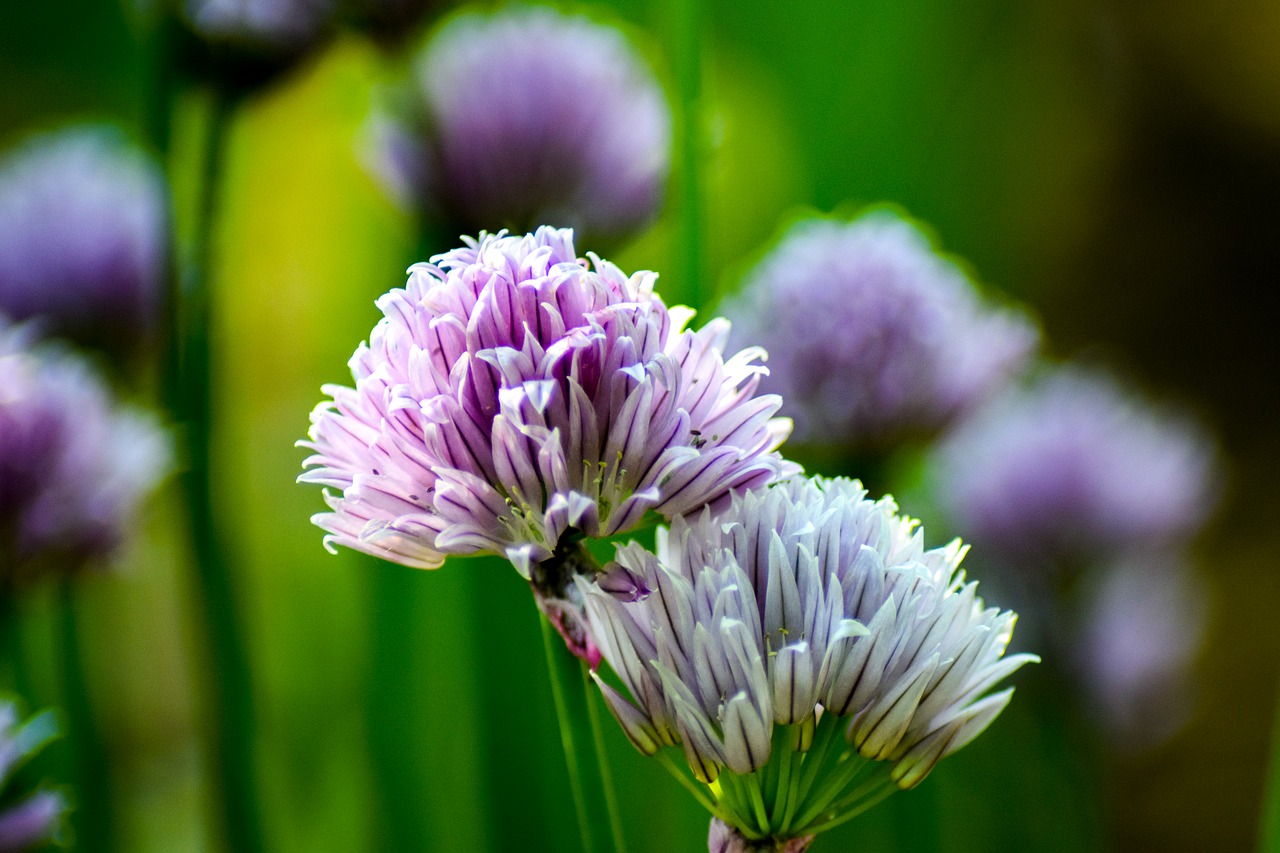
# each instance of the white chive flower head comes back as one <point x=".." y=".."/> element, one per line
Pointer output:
<point x="873" y="335"/>
<point x="803" y="633"/>
<point x="515" y="397"/>
<point x="75" y="465"/>
<point x="529" y="116"/>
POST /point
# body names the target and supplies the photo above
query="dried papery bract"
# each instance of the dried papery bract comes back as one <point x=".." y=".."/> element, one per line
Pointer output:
<point x="516" y="399"/>
<point x="526" y="117"/>
<point x="874" y="336"/>
<point x="83" y="230"/>
<point x="806" y="653"/>
<point x="74" y="465"/>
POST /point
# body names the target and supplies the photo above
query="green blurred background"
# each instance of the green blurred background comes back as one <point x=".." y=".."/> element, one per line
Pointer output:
<point x="1116" y="166"/>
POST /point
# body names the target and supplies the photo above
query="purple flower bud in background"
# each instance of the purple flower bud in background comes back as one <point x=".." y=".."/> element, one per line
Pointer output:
<point x="27" y="820"/>
<point x="74" y="465"/>
<point x="83" y="236"/>
<point x="872" y="335"/>
<point x="514" y="394"/>
<point x="1072" y="471"/>
<point x="245" y="43"/>
<point x="528" y="117"/>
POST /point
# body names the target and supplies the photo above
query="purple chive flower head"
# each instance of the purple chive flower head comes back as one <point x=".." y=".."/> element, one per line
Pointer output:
<point x="83" y="224"/>
<point x="807" y="627"/>
<point x="27" y="820"/>
<point x="528" y="116"/>
<point x="74" y="465"/>
<point x="515" y="396"/>
<point x="1074" y="470"/>
<point x="872" y="335"/>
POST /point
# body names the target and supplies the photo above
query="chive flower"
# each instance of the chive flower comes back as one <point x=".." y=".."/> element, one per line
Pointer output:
<point x="528" y="116"/>
<point x="873" y="336"/>
<point x="83" y="230"/>
<point x="1073" y="470"/>
<point x="807" y="654"/>
<point x="516" y="399"/>
<point x="27" y="819"/>
<point x="74" y="464"/>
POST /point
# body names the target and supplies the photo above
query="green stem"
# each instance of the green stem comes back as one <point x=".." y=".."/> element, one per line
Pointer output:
<point x="602" y="759"/>
<point x="92" y="819"/>
<point x="11" y="647"/>
<point x="695" y="788"/>
<point x="596" y="821"/>
<point x="231" y="684"/>
<point x="1269" y="841"/>
<point x="687" y="23"/>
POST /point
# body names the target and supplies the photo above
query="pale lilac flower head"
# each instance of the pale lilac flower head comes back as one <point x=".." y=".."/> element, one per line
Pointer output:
<point x="1072" y="470"/>
<point x="1133" y="643"/>
<point x="83" y="225"/>
<point x="515" y="396"/>
<point x="29" y="819"/>
<point x="74" y="465"/>
<point x="872" y="335"/>
<point x="801" y="613"/>
<point x="527" y="117"/>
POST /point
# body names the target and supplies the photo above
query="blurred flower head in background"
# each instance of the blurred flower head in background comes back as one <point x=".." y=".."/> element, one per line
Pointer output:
<point x="74" y="465"/>
<point x="1132" y="644"/>
<point x="527" y="117"/>
<point x="514" y="393"/>
<point x="83" y="236"/>
<point x="246" y="43"/>
<point x="802" y="615"/>
<point x="1073" y="470"/>
<point x="872" y="335"/>
<point x="27" y="819"/>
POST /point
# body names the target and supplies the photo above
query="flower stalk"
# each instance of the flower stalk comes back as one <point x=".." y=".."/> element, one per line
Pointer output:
<point x="589" y="780"/>
<point x="192" y="388"/>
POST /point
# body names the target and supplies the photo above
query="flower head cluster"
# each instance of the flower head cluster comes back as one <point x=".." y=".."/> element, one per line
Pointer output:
<point x="514" y="395"/>
<point x="74" y="466"/>
<point x="1073" y="470"/>
<point x="26" y="819"/>
<point x="802" y="616"/>
<point x="530" y="117"/>
<point x="83" y="222"/>
<point x="872" y="335"/>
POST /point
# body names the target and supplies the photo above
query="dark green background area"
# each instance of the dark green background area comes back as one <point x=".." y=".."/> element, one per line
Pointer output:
<point x="1115" y="166"/>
